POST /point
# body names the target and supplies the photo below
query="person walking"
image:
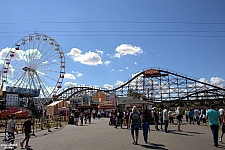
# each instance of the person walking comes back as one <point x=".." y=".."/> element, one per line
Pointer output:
<point x="82" y="118"/>
<point x="165" y="118"/>
<point x="76" y="117"/>
<point x="145" y="128"/>
<point x="161" y="118"/>
<point x="93" y="113"/>
<point x="89" y="116"/>
<point x="119" y="119"/>
<point x="223" y="127"/>
<point x="191" y="116"/>
<point x="127" y="118"/>
<point x="135" y="124"/>
<point x="156" y="119"/>
<point x="27" y="130"/>
<point x="170" y="113"/>
<point x="11" y="128"/>
<point x="186" y="114"/>
<point x="197" y="116"/>
<point x="179" y="118"/>
<point x="214" y="118"/>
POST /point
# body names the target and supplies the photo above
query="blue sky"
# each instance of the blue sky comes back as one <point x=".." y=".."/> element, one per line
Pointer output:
<point x="105" y="42"/>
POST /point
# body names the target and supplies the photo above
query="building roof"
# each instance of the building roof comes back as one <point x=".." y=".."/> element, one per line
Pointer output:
<point x="54" y="103"/>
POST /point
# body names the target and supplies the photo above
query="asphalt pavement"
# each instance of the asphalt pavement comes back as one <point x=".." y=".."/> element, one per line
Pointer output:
<point x="100" y="136"/>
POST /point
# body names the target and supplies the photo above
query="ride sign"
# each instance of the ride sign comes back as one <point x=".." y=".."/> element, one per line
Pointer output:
<point x="151" y="71"/>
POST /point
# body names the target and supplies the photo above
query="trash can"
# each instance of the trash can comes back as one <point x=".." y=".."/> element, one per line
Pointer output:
<point x="71" y="120"/>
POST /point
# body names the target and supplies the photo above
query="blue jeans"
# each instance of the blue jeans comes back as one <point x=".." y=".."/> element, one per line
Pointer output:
<point x="215" y="130"/>
<point x="145" y="135"/>
<point x="166" y="125"/>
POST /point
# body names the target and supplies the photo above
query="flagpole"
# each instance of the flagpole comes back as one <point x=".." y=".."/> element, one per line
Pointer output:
<point x="159" y="59"/>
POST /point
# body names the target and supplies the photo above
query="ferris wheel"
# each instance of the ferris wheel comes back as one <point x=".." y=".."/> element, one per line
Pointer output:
<point x="34" y="66"/>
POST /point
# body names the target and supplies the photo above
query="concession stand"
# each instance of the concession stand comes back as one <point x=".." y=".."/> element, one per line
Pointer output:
<point x="59" y="108"/>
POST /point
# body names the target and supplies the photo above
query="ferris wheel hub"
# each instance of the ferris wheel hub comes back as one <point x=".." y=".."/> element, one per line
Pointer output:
<point x="28" y="69"/>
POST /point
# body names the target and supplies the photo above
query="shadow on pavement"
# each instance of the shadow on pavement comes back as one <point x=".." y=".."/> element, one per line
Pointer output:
<point x="178" y="133"/>
<point x="221" y="147"/>
<point x="187" y="132"/>
<point x="193" y="132"/>
<point x="154" y="146"/>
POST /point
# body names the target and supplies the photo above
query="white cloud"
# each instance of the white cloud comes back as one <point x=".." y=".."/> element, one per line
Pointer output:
<point x="116" y="55"/>
<point x="70" y="84"/>
<point x="217" y="81"/>
<point x="73" y="71"/>
<point x="203" y="80"/>
<point x="107" y="86"/>
<point x="127" y="68"/>
<point x="106" y="62"/>
<point x="112" y="70"/>
<point x="4" y="52"/>
<point x="79" y="74"/>
<point x="29" y="54"/>
<point x="127" y="49"/>
<point x="119" y="83"/>
<point x="121" y="70"/>
<point x="100" y="52"/>
<point x="135" y="63"/>
<point x="69" y="76"/>
<point x="89" y="58"/>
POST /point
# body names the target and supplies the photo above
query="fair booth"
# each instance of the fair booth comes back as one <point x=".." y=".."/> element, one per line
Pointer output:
<point x="60" y="108"/>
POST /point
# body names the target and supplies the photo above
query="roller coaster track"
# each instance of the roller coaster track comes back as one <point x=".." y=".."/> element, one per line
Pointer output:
<point x="158" y="84"/>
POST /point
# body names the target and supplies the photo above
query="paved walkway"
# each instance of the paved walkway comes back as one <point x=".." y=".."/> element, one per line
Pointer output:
<point x="100" y="136"/>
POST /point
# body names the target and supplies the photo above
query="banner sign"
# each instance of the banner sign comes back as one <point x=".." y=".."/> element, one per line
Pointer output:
<point x="112" y="97"/>
<point x="18" y="90"/>
<point x="151" y="71"/>
<point x="99" y="96"/>
<point x="106" y="103"/>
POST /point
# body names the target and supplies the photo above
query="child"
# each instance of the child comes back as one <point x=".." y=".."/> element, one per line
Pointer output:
<point x="145" y="128"/>
<point x="223" y="129"/>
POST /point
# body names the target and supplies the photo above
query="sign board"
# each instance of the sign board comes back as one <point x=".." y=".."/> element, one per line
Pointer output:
<point x="99" y="96"/>
<point x="151" y="72"/>
<point x="112" y="97"/>
<point x="18" y="90"/>
<point x="106" y="103"/>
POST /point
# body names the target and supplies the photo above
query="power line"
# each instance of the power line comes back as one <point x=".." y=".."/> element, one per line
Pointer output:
<point x="128" y="35"/>
<point x="128" y="22"/>
<point x="123" y="31"/>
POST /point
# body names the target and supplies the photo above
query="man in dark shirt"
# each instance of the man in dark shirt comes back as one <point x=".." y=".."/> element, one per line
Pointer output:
<point x="120" y="119"/>
<point x="27" y="130"/>
<point x="76" y="117"/>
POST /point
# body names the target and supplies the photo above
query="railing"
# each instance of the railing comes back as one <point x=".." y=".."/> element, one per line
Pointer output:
<point x="55" y="122"/>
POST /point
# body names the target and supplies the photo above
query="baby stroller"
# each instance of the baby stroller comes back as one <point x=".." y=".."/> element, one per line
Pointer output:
<point x="112" y="120"/>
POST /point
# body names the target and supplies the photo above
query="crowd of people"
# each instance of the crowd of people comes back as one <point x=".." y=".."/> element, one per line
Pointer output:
<point x="138" y="119"/>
